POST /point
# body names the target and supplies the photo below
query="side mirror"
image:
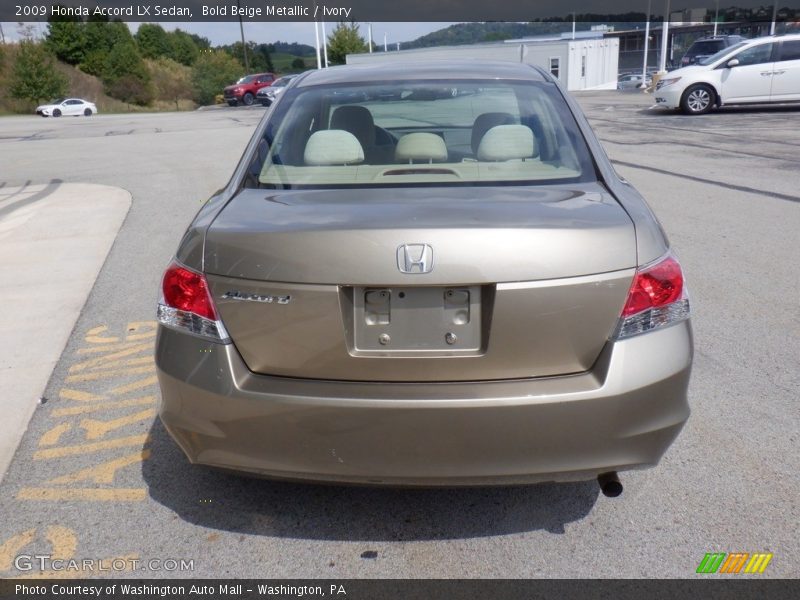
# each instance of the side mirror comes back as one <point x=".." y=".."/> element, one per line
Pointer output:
<point x="732" y="63"/>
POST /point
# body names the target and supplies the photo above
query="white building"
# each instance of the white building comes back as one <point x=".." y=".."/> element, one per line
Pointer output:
<point x="588" y="62"/>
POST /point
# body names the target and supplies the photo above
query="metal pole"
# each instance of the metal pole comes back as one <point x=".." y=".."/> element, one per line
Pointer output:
<point x="316" y="37"/>
<point x="716" y="18"/>
<point x="774" y="14"/>
<point x="646" y="45"/>
<point x="662" y="63"/>
<point x="573" y="24"/>
<point x="244" y="46"/>
<point x="370" y="37"/>
<point x="2" y="35"/>
<point x="325" y="44"/>
<point x="385" y="46"/>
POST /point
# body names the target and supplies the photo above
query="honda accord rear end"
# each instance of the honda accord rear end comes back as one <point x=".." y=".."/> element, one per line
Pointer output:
<point x="453" y="287"/>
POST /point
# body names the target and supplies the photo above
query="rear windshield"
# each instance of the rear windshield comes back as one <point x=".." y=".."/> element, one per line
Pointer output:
<point x="421" y="133"/>
<point x="708" y="47"/>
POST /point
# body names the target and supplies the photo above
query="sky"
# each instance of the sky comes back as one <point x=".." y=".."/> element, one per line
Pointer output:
<point x="303" y="33"/>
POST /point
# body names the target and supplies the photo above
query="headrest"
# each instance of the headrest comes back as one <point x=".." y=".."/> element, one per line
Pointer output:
<point x="358" y="121"/>
<point x="507" y="142"/>
<point x="420" y="146"/>
<point x="333" y="147"/>
<point x="484" y="123"/>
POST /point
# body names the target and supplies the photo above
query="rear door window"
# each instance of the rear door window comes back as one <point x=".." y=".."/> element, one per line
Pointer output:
<point x="790" y="50"/>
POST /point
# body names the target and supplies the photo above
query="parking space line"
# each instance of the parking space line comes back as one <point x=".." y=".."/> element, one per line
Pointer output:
<point x="96" y="429"/>
<point x="51" y="437"/>
<point x="80" y="396"/>
<point x="109" y="358"/>
<point x="59" y="543"/>
<point x="62" y="451"/>
<point x="136" y="385"/>
<point x="12" y="547"/>
<point x="93" y="336"/>
<point x="105" y="348"/>
<point x="94" y="376"/>
<point x="124" y="363"/>
<point x="90" y="494"/>
<point x="102" y="473"/>
<point x="101" y="406"/>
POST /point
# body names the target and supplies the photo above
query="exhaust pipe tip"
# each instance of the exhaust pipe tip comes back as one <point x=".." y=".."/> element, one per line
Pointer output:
<point x="610" y="484"/>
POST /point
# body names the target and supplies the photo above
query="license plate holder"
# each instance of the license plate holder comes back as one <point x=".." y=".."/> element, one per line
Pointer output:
<point x="439" y="320"/>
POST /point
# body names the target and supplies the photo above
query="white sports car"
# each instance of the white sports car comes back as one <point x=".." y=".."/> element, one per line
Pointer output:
<point x="67" y="107"/>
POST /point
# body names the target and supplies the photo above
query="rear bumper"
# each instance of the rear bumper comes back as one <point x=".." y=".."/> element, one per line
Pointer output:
<point x="623" y="414"/>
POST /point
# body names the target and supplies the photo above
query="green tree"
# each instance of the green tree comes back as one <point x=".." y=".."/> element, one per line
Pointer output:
<point x="299" y="64"/>
<point x="125" y="75"/>
<point x="101" y="36"/>
<point x="171" y="80"/>
<point x="202" y="43"/>
<point x="34" y="76"/>
<point x="212" y="71"/>
<point x="124" y="59"/>
<point x="183" y="47"/>
<point x="258" y="56"/>
<point x="153" y="41"/>
<point x="66" y="38"/>
<point x="261" y="53"/>
<point x="94" y="62"/>
<point x="344" y="40"/>
<point x="131" y="89"/>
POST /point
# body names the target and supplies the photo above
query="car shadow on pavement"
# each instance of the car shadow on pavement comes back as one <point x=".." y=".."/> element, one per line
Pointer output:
<point x="765" y="109"/>
<point x="219" y="500"/>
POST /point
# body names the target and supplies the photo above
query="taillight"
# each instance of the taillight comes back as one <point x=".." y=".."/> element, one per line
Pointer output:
<point x="657" y="298"/>
<point x="186" y="304"/>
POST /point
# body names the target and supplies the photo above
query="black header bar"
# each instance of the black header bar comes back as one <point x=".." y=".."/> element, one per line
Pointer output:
<point x="385" y="10"/>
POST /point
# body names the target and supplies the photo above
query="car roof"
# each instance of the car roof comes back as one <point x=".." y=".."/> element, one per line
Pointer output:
<point x="711" y="38"/>
<point x="773" y="38"/>
<point x="430" y="70"/>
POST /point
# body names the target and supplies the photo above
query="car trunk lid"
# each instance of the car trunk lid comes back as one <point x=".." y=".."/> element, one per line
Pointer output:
<point x="521" y="281"/>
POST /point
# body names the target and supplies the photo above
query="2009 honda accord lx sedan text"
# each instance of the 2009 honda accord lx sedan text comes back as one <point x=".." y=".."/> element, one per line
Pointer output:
<point x="425" y="274"/>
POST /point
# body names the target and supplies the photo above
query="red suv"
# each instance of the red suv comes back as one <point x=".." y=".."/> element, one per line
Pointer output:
<point x="245" y="89"/>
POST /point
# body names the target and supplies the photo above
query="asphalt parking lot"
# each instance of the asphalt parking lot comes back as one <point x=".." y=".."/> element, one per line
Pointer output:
<point x="97" y="477"/>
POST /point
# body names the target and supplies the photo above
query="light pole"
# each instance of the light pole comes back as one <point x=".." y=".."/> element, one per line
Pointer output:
<point x="716" y="18"/>
<point x="774" y="14"/>
<point x="385" y="45"/>
<point x="662" y="63"/>
<point x="244" y="46"/>
<point x="316" y="38"/>
<point x="325" y="44"/>
<point x="369" y="33"/>
<point x="646" y="45"/>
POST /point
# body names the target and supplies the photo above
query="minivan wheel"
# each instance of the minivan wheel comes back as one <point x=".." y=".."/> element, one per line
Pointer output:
<point x="697" y="99"/>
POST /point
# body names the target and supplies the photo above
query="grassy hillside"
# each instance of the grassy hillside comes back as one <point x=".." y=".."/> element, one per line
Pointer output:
<point x="283" y="62"/>
<point x="81" y="85"/>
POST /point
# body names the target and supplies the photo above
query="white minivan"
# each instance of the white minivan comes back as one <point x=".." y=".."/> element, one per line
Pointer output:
<point x="760" y="70"/>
